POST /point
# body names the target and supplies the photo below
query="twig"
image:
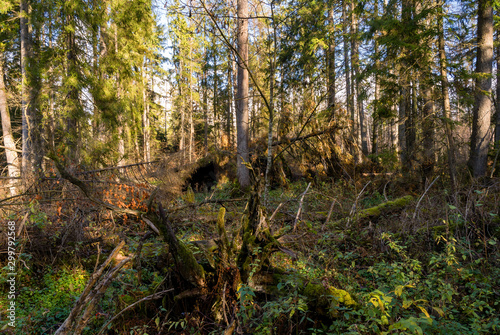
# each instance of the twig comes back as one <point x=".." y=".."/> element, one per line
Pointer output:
<point x="116" y="167"/>
<point x="150" y="224"/>
<point x="330" y="211"/>
<point x="96" y="297"/>
<point x="300" y="207"/>
<point x="304" y="137"/>
<point x="276" y="211"/>
<point x="422" y="196"/>
<point x="19" y="151"/>
<point x="83" y="187"/>
<point x="355" y="204"/>
<point x="385" y="196"/>
<point x="98" y="255"/>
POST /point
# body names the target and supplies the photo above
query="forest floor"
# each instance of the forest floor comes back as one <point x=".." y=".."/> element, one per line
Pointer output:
<point x="427" y="264"/>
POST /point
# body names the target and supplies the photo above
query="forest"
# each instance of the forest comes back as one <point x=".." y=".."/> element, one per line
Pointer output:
<point x="249" y="167"/>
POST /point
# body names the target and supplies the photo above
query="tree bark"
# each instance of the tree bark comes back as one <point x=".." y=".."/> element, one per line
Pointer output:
<point x="242" y="95"/>
<point x="182" y="140"/>
<point x="357" y="102"/>
<point x="331" y="61"/>
<point x="428" y="110"/>
<point x="357" y="116"/>
<point x="72" y="138"/>
<point x="429" y="153"/>
<point x="121" y="130"/>
<point x="347" y="71"/>
<point x="375" y="115"/>
<point x="27" y="166"/>
<point x="205" y="106"/>
<point x="497" y="120"/>
<point x="145" y="117"/>
<point x="191" y="124"/>
<point x="448" y="125"/>
<point x="8" y="139"/>
<point x="480" y="137"/>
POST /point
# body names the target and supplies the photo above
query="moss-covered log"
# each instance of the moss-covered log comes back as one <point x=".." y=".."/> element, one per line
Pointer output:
<point x="376" y="211"/>
<point x="185" y="261"/>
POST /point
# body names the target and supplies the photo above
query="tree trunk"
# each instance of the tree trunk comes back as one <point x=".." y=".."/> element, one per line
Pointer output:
<point x="272" y="70"/>
<point x="229" y="117"/>
<point x="394" y="130"/>
<point x="480" y="137"/>
<point x="347" y="71"/>
<point x="403" y="116"/>
<point x="215" y="101"/>
<point x="375" y="115"/>
<point x="497" y="120"/>
<point x="205" y="107"/>
<point x="234" y="81"/>
<point x="145" y="118"/>
<point x="191" y="125"/>
<point x="8" y="139"/>
<point x="448" y="125"/>
<point x="72" y="100"/>
<point x="429" y="154"/>
<point x="375" y="132"/>
<point x="356" y="112"/>
<point x="357" y="102"/>
<point x="27" y="166"/>
<point x="242" y="95"/>
<point x="428" y="110"/>
<point x="411" y="126"/>
<point x="182" y="140"/>
<point x="120" y="128"/>
<point x="331" y="61"/>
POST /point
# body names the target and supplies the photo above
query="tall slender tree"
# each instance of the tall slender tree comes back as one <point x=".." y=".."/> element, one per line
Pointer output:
<point x="480" y="138"/>
<point x="242" y="125"/>
<point x="8" y="138"/>
<point x="448" y="124"/>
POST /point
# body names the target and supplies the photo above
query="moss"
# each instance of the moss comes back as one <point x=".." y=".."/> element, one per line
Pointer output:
<point x="315" y="292"/>
<point x="377" y="211"/>
<point x="342" y="296"/>
<point x="189" y="196"/>
<point x="221" y="230"/>
<point x="373" y="211"/>
<point x="188" y="266"/>
<point x="327" y="298"/>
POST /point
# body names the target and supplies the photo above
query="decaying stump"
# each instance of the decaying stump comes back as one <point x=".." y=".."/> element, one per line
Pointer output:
<point x="243" y="260"/>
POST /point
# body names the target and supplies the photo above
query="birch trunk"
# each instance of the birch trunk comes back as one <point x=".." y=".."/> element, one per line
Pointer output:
<point x="8" y="139"/>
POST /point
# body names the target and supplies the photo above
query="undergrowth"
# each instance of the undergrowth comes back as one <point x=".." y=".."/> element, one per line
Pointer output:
<point x="431" y="270"/>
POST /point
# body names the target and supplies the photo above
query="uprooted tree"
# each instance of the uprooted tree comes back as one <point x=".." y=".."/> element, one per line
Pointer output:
<point x="213" y="275"/>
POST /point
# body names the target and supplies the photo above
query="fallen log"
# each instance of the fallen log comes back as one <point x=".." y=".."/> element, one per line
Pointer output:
<point x="375" y="212"/>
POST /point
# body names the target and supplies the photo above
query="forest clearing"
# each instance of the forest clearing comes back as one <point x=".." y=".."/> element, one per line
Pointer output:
<point x="249" y="167"/>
